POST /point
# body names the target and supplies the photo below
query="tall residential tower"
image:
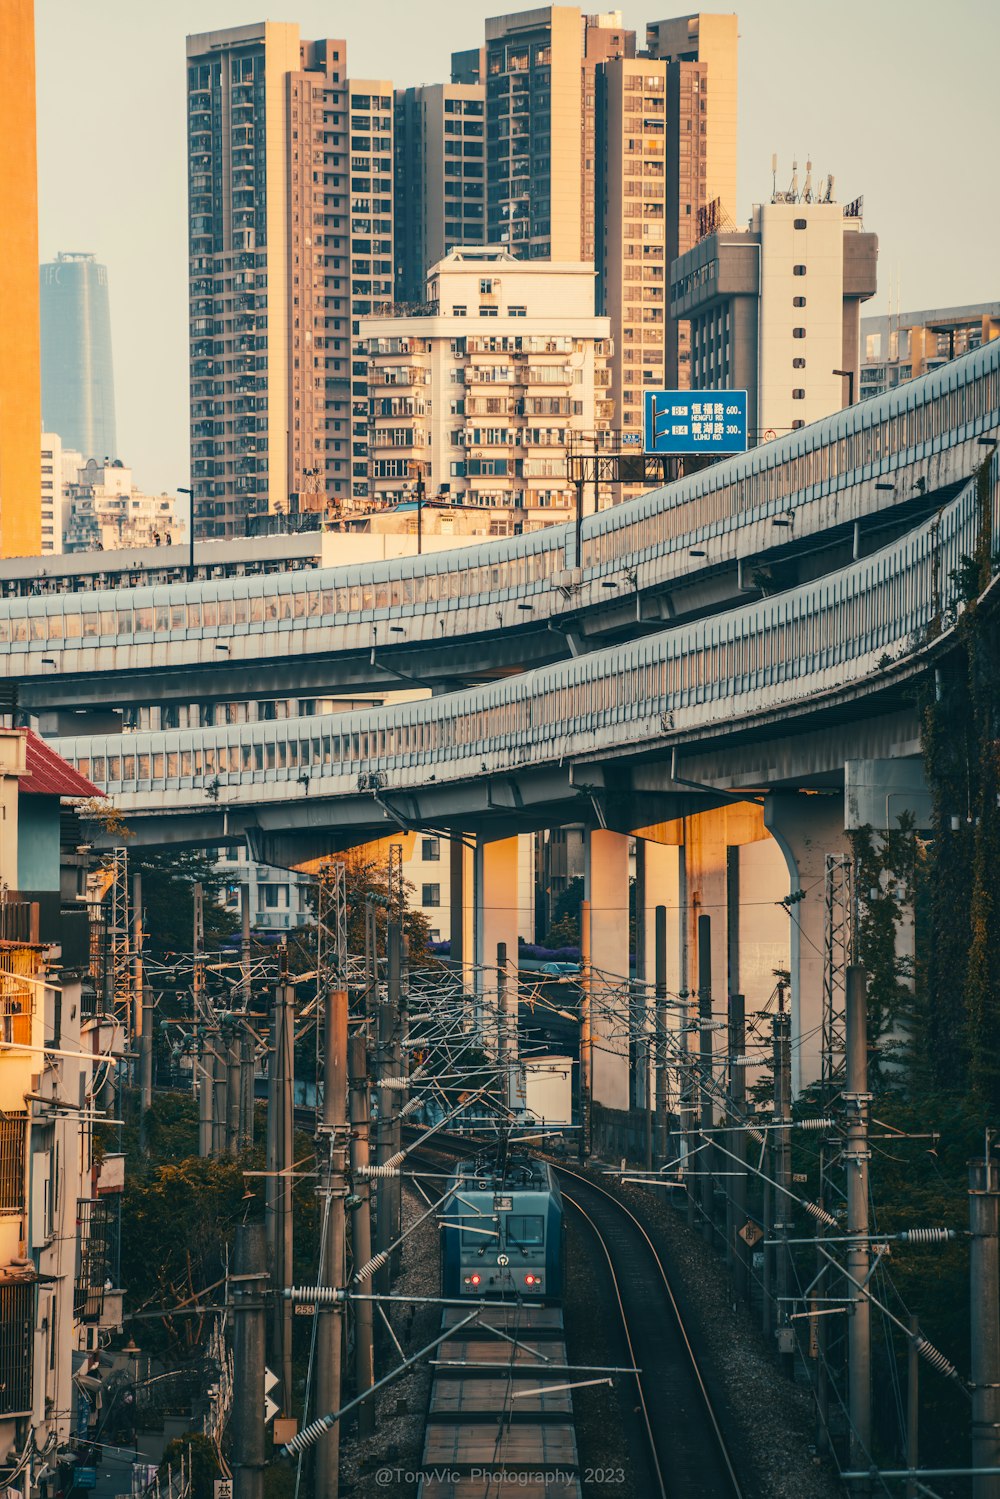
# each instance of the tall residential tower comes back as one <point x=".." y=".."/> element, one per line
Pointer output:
<point x="291" y="241"/>
<point x="78" y="387"/>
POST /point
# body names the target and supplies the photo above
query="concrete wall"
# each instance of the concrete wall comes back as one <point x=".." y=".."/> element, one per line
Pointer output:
<point x="38" y="843"/>
<point x="20" y="377"/>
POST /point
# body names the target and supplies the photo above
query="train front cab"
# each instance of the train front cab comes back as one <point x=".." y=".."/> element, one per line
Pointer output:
<point x="503" y="1241"/>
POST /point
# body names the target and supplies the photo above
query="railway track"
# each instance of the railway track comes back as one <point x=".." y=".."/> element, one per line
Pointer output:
<point x="687" y="1455"/>
<point x="689" y="1458"/>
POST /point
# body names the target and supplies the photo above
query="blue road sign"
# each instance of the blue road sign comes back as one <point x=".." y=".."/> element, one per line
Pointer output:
<point x="695" y="421"/>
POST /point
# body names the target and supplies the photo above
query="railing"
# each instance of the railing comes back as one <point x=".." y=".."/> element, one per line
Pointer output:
<point x="19" y="968"/>
<point x="13" y="1141"/>
<point x="17" y="1322"/>
<point x="933" y="423"/>
<point x="97" y="1223"/>
<point x="827" y="636"/>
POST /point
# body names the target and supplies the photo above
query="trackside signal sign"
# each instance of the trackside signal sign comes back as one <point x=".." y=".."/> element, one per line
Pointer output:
<point x="695" y="421"/>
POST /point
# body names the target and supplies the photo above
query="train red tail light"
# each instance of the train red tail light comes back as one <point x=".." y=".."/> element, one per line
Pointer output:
<point x="474" y="1280"/>
<point x="531" y="1280"/>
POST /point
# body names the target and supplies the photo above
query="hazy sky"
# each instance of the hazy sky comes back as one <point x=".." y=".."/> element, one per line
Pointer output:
<point x="892" y="96"/>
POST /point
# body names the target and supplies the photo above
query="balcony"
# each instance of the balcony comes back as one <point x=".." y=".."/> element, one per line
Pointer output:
<point x="18" y="968"/>
<point x="98" y="1222"/>
<point x="13" y="1141"/>
<point x="17" y="1321"/>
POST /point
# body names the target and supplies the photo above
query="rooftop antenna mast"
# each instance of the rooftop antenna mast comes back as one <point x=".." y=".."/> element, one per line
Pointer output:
<point x="807" y="191"/>
<point x="774" y="177"/>
<point x="793" y="191"/>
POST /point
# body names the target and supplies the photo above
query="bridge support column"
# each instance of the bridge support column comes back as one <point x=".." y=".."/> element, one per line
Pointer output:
<point x="659" y="875"/>
<point x="461" y="910"/>
<point x="497" y="908"/>
<point x="607" y="890"/>
<point x="806" y="829"/>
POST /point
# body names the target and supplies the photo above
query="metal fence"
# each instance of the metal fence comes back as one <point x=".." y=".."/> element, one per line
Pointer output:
<point x="13" y="1138"/>
<point x="17" y="1320"/>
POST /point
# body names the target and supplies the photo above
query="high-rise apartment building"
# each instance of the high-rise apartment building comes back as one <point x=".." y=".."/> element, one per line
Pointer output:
<point x="238" y="236"/>
<point x="775" y="309"/>
<point x="440" y="195"/>
<point x="589" y="143"/>
<point x="633" y="140"/>
<point x="341" y="215"/>
<point x="542" y="157"/>
<point x="477" y="399"/>
<point x="701" y="56"/>
<point x="20" y="387"/>
<point x="78" y="387"/>
<point x="291" y="240"/>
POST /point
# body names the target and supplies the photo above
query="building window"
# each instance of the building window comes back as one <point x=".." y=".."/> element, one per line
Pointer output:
<point x="485" y="286"/>
<point x="797" y="424"/>
<point x="430" y="895"/>
<point x="800" y="223"/>
<point x="798" y="301"/>
<point x="798" y="270"/>
<point x="430" y="849"/>
<point x="488" y="312"/>
<point x="798" y="364"/>
<point x="458" y="312"/>
<point x="798" y="395"/>
<point x="798" y="333"/>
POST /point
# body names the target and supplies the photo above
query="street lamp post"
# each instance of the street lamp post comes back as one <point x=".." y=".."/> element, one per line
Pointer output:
<point x="190" y="495"/>
<point x="848" y="375"/>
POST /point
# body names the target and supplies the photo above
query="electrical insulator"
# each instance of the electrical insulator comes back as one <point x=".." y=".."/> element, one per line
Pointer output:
<point x="927" y="1235"/>
<point x="306" y="1437"/>
<point x="368" y="1270"/>
<point x="814" y="1124"/>
<point x="314" y="1295"/>
<point x="820" y="1214"/>
<point x="936" y="1358"/>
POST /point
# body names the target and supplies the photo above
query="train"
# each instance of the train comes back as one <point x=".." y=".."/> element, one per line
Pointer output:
<point x="500" y="1414"/>
<point x="502" y="1232"/>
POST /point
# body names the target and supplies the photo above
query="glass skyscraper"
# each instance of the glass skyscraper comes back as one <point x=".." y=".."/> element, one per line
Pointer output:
<point x="78" y="388"/>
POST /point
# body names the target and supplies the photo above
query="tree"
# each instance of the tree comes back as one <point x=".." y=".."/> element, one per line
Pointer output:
<point x="367" y="879"/>
<point x="200" y="1454"/>
<point x="168" y="881"/>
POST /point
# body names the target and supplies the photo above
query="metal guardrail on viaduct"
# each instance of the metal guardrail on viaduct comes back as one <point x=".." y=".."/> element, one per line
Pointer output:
<point x="777" y="516"/>
<point x="847" y="636"/>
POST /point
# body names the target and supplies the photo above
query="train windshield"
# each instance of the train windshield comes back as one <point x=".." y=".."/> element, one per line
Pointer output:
<point x="525" y="1230"/>
<point x="479" y="1229"/>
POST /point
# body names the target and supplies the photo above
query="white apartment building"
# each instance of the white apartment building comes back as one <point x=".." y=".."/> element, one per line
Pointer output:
<point x="477" y="397"/>
<point x="103" y="510"/>
<point x="774" y="309"/>
<point x="59" y="469"/>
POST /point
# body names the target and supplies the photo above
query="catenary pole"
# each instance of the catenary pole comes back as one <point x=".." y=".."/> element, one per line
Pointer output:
<point x="984" y="1281"/>
<point x="330" y="1329"/>
<point x="361" y="1226"/>
<point x="705" y="1047"/>
<point x="856" y="1157"/>
<point x="250" y="1263"/>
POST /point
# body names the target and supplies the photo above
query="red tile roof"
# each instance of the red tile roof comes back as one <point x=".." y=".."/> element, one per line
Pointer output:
<point x="49" y="774"/>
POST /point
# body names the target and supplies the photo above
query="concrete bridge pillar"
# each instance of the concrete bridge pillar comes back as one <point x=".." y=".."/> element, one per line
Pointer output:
<point x="497" y="902"/>
<point x="806" y="828"/>
<point x="659" y="874"/>
<point x="607" y="890"/>
<point x="461" y="909"/>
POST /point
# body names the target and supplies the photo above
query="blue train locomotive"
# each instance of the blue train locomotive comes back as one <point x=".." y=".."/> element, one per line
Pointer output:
<point x="502" y="1230"/>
